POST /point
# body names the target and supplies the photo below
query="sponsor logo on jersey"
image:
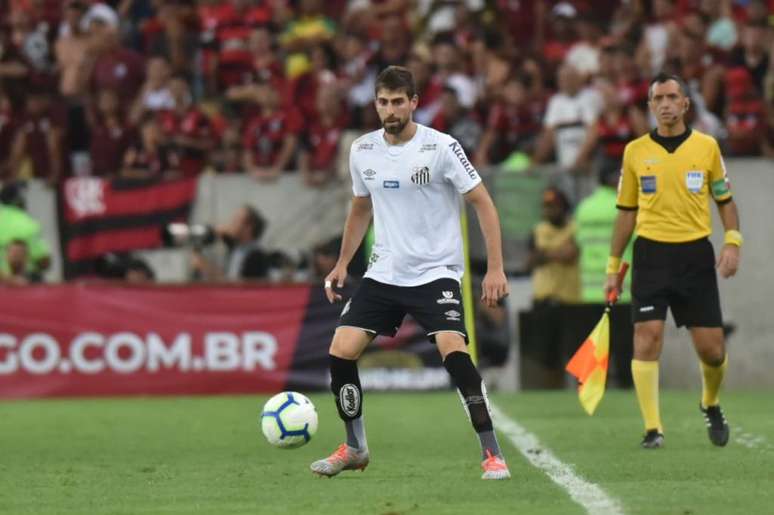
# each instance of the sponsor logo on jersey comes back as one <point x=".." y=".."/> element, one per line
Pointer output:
<point x="453" y="315"/>
<point x="421" y="175"/>
<point x="650" y="162"/>
<point x="365" y="146"/>
<point x="645" y="309"/>
<point x="373" y="259"/>
<point x="447" y="298"/>
<point x="457" y="150"/>
<point x="349" y="399"/>
<point x="391" y="185"/>
<point x="648" y="183"/>
<point x="428" y="147"/>
<point x="368" y="175"/>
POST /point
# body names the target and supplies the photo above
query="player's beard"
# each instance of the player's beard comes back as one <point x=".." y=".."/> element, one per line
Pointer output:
<point x="394" y="128"/>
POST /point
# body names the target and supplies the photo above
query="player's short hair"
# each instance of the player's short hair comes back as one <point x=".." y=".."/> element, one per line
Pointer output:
<point x="663" y="77"/>
<point x="396" y="78"/>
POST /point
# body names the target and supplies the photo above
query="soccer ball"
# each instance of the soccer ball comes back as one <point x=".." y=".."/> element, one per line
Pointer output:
<point x="289" y="420"/>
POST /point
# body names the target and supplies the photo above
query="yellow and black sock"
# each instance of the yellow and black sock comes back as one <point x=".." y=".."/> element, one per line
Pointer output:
<point x="645" y="375"/>
<point x="711" y="379"/>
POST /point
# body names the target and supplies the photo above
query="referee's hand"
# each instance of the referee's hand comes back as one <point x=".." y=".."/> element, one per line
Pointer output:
<point x="494" y="288"/>
<point x="337" y="277"/>
<point x="728" y="262"/>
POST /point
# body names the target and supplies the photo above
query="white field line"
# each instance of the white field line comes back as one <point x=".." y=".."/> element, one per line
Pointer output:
<point x="750" y="440"/>
<point x="589" y="495"/>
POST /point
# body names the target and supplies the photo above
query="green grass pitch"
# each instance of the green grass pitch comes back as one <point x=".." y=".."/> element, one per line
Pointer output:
<point x="207" y="455"/>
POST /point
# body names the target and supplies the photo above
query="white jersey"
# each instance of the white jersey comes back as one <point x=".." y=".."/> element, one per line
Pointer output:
<point x="415" y="191"/>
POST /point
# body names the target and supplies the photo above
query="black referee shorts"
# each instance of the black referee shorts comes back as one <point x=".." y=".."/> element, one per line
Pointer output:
<point x="379" y="308"/>
<point x="678" y="276"/>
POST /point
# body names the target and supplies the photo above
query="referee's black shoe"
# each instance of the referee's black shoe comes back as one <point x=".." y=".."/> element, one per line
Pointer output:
<point x="717" y="427"/>
<point x="653" y="439"/>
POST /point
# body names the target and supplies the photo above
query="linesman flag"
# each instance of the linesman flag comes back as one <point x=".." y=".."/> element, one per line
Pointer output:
<point x="589" y="364"/>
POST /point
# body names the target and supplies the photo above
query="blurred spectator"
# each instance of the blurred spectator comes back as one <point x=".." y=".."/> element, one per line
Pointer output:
<point x="8" y="123"/>
<point x="270" y="137"/>
<point x="308" y="29"/>
<point x="173" y="34"/>
<point x="357" y="75"/>
<point x="697" y="65"/>
<point x="111" y="135"/>
<point x="490" y="62"/>
<point x="553" y="257"/>
<point x="324" y="257"/>
<point x="155" y="94"/>
<point x="457" y="121"/>
<point x="318" y="159"/>
<point x="115" y="67"/>
<point x="511" y="125"/>
<point x="187" y="129"/>
<point x="616" y="126"/>
<point x="753" y="54"/>
<point x="74" y="58"/>
<point x="151" y="156"/>
<point x="17" y="224"/>
<point x="227" y="157"/>
<point x="37" y="145"/>
<point x="722" y="30"/>
<point x="553" y="261"/>
<point x="246" y="258"/>
<point x="745" y="114"/>
<point x="450" y="70"/>
<point x="657" y="37"/>
<point x="14" y="268"/>
<point x="428" y="90"/>
<point x="569" y="114"/>
<point x="226" y="28"/>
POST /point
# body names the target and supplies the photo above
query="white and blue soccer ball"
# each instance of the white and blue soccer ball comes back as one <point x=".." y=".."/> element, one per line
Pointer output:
<point x="289" y="420"/>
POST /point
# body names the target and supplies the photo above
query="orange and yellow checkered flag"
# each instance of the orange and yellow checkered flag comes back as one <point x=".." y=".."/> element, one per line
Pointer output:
<point x="589" y="364"/>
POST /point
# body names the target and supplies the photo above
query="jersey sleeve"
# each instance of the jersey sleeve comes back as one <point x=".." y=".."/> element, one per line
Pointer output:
<point x="358" y="186"/>
<point x="628" y="188"/>
<point x="718" y="176"/>
<point x="551" y="117"/>
<point x="458" y="169"/>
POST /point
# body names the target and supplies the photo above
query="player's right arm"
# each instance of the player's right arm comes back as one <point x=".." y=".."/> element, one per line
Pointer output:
<point x="355" y="227"/>
<point x="627" y="203"/>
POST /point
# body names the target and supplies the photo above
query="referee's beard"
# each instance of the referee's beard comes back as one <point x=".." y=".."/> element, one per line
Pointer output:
<point x="391" y="127"/>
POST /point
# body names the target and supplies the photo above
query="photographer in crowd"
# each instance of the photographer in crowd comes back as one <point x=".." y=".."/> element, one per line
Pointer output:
<point x="245" y="257"/>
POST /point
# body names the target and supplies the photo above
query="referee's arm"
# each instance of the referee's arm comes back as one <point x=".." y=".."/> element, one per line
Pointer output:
<point x="728" y="262"/>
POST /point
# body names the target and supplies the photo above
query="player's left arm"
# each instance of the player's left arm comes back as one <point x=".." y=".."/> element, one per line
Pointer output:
<point x="728" y="262"/>
<point x="495" y="285"/>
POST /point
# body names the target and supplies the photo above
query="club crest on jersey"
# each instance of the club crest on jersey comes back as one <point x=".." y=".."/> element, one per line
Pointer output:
<point x="391" y="185"/>
<point x="447" y="298"/>
<point x="368" y="175"/>
<point x="421" y="175"/>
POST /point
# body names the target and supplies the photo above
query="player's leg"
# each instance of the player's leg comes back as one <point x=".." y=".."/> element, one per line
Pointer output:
<point x="698" y="308"/>
<point x="347" y="346"/>
<point x="370" y="312"/>
<point x="648" y="341"/>
<point x="437" y="307"/>
<point x="651" y="286"/>
<point x="710" y="346"/>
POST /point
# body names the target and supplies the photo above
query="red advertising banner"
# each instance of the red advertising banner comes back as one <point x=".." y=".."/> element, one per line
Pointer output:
<point x="104" y="339"/>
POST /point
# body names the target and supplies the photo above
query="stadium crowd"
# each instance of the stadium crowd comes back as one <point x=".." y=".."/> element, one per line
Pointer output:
<point x="180" y="87"/>
<point x="177" y="88"/>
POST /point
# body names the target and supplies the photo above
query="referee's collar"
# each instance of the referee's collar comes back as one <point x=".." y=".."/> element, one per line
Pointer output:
<point x="670" y="143"/>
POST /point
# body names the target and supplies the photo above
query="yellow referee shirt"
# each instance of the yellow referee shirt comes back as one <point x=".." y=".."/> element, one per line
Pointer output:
<point x="671" y="187"/>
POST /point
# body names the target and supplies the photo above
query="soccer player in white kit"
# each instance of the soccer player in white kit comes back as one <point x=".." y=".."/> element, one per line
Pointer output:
<point x="411" y="177"/>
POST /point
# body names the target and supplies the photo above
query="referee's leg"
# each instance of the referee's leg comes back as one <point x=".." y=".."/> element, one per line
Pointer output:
<point x="648" y="342"/>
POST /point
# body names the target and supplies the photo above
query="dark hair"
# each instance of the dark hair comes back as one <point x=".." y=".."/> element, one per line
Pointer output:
<point x="136" y="264"/>
<point x="663" y="77"/>
<point x="396" y="78"/>
<point x="256" y="221"/>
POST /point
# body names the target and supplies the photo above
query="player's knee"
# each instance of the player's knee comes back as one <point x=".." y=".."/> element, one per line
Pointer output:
<point x="348" y="344"/>
<point x="647" y="342"/>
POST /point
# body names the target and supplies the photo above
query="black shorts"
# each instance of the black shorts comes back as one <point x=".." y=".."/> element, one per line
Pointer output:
<point x="680" y="276"/>
<point x="379" y="308"/>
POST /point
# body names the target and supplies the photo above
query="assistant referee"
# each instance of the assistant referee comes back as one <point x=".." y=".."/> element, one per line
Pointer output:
<point x="666" y="182"/>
